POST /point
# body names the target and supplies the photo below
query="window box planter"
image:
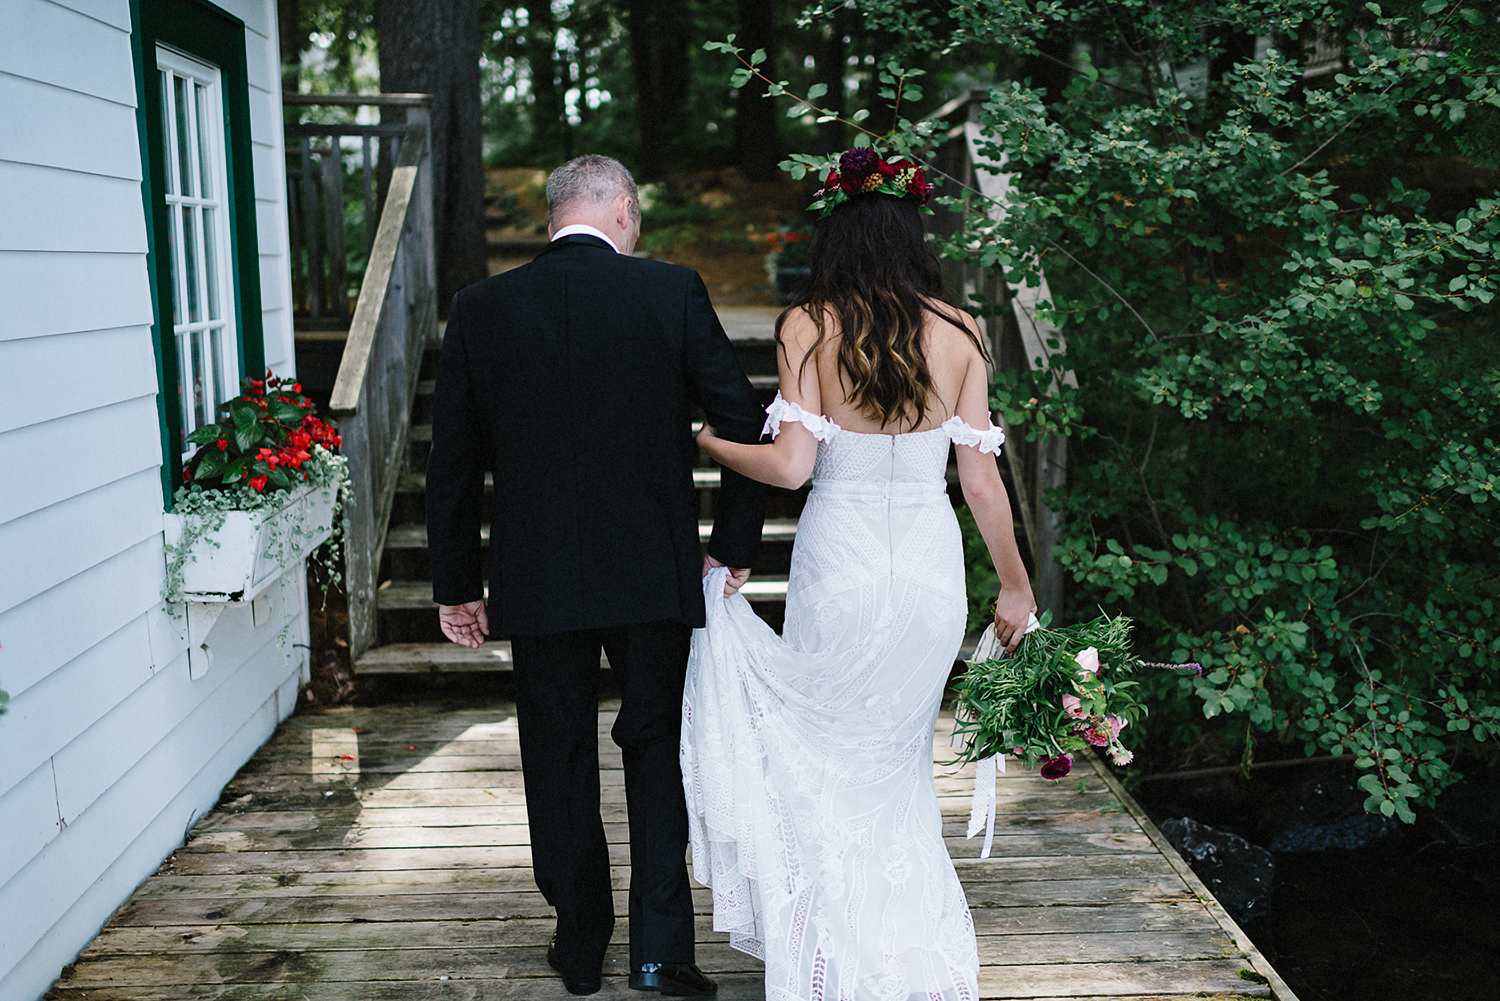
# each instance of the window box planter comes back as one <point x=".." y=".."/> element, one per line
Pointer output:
<point x="233" y="556"/>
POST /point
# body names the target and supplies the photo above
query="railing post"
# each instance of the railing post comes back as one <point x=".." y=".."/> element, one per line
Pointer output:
<point x="1017" y="338"/>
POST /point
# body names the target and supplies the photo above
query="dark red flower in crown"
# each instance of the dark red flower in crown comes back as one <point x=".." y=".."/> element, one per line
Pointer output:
<point x="862" y="171"/>
<point x="858" y="162"/>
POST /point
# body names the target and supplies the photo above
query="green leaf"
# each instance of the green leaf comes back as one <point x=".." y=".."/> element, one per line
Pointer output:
<point x="860" y="115"/>
<point x="740" y="77"/>
<point x="757" y="57"/>
<point x="205" y="434"/>
<point x="816" y="91"/>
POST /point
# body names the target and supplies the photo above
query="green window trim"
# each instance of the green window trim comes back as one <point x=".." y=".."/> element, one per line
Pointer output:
<point x="203" y="30"/>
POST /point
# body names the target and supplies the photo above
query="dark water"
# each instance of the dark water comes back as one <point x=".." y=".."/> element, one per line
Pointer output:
<point x="1411" y="915"/>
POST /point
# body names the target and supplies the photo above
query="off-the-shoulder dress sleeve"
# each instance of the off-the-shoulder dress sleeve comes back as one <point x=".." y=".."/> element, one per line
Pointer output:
<point x="781" y="410"/>
<point x="987" y="441"/>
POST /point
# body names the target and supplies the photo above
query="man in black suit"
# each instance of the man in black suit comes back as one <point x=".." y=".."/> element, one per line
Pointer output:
<point x="570" y="379"/>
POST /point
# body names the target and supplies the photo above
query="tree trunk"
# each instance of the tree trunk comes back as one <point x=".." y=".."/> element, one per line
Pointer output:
<point x="550" y="138"/>
<point x="659" y="34"/>
<point x="832" y="63"/>
<point x="432" y="47"/>
<point x="292" y="35"/>
<point x="757" y="140"/>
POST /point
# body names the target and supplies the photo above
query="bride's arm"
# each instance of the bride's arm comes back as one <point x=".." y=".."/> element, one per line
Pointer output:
<point x="990" y="504"/>
<point x="787" y="461"/>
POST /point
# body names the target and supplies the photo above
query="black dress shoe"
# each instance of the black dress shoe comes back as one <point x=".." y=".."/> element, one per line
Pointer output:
<point x="573" y="984"/>
<point x="677" y="980"/>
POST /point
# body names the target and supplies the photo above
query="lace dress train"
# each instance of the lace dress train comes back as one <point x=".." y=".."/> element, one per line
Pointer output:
<point x="807" y="760"/>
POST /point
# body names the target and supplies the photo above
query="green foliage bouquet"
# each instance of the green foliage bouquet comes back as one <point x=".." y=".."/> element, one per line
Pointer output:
<point x="1058" y="692"/>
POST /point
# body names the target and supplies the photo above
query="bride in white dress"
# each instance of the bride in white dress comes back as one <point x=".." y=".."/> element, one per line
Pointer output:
<point x="807" y="757"/>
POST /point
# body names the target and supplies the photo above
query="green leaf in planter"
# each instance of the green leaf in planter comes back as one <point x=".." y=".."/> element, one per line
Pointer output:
<point x="236" y="469"/>
<point x="212" y="464"/>
<point x="205" y="434"/>
<point x="286" y="413"/>
<point x="247" y="429"/>
<point x="278" y="477"/>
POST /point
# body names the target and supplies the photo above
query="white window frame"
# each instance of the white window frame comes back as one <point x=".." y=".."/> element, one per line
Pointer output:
<point x="203" y="308"/>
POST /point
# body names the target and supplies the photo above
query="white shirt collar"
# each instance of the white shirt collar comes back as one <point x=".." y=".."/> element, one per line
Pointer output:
<point x="586" y="229"/>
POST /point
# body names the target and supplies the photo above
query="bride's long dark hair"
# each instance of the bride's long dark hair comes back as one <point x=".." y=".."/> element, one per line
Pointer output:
<point x="877" y="277"/>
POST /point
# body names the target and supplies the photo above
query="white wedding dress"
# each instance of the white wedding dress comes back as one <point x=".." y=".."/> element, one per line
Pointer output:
<point x="807" y="760"/>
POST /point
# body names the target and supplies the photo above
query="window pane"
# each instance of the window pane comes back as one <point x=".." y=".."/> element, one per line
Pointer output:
<point x="174" y="238"/>
<point x="201" y="411"/>
<point x="205" y="146"/>
<point x="221" y="374"/>
<point x="184" y="387"/>
<point x="169" y="164"/>
<point x="184" y="138"/>
<point x="211" y="263"/>
<point x="192" y="261"/>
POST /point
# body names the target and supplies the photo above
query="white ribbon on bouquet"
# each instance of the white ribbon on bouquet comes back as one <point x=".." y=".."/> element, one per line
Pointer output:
<point x="982" y="806"/>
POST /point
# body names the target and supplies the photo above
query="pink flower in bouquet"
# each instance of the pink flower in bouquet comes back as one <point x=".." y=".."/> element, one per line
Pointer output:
<point x="1100" y="730"/>
<point x="1088" y="662"/>
<point x="1072" y="707"/>
<point x="1120" y="755"/>
<point x="1056" y="768"/>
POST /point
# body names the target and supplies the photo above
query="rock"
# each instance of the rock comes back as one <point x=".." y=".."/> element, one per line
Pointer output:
<point x="1330" y="814"/>
<point x="1236" y="872"/>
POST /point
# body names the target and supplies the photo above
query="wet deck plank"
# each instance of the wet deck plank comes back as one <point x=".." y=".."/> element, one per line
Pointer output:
<point x="382" y="854"/>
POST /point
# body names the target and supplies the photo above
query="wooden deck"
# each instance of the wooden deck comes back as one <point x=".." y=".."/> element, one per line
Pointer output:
<point x="381" y="855"/>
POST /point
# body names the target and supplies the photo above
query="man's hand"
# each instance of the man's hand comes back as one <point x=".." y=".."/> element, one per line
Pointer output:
<point x="734" y="581"/>
<point x="467" y="624"/>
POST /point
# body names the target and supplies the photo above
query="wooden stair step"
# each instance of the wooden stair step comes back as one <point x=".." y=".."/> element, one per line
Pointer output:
<point x="415" y="536"/>
<point x="426" y="387"/>
<point x="703" y="478"/>
<point x="416" y="595"/>
<point x="438" y="658"/>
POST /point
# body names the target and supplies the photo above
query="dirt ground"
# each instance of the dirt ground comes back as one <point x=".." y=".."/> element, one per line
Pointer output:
<point x="715" y="222"/>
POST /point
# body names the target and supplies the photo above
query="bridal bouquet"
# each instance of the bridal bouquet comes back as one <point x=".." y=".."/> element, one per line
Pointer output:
<point x="1060" y="691"/>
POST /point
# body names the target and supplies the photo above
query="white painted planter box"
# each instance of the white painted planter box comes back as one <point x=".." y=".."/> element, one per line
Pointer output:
<point x="253" y="548"/>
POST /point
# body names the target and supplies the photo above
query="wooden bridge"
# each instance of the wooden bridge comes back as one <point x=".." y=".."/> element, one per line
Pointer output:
<point x="381" y="854"/>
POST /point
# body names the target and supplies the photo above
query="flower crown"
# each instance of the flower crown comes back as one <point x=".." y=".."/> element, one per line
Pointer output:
<point x="862" y="171"/>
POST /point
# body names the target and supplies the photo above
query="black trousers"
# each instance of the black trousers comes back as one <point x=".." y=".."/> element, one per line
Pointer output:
<point x="557" y="712"/>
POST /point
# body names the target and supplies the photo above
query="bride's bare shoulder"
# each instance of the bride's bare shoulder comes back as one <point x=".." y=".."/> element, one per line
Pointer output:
<point x="949" y="329"/>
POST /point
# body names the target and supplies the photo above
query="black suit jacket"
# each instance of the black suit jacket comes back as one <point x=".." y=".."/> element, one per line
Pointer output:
<point x="570" y="378"/>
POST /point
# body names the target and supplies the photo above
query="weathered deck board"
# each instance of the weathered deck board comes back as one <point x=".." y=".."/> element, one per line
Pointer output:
<point x="382" y="854"/>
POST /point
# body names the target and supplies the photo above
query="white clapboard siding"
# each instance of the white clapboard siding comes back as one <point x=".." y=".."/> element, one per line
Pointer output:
<point x="93" y="865"/>
<point x="106" y="444"/>
<point x="97" y="36"/>
<point x="34" y="306"/>
<point x="117" y="364"/>
<point x="36" y="644"/>
<point x="31" y="820"/>
<point x="57" y="542"/>
<point x="29" y="117"/>
<point x="42" y="208"/>
<point x="111" y="748"/>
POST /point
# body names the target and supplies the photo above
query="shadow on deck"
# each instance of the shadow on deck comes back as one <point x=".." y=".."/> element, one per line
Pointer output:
<point x="381" y="854"/>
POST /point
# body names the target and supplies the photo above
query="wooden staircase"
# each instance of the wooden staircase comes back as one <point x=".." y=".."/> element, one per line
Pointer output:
<point x="408" y="638"/>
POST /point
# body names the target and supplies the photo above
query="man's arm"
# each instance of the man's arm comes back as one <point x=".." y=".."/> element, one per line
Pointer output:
<point x="455" y="491"/>
<point x="717" y="383"/>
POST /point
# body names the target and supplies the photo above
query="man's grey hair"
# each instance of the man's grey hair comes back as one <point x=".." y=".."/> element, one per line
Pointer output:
<point x="589" y="180"/>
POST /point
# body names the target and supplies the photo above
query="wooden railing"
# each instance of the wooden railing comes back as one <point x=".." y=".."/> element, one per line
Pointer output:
<point x="1017" y="336"/>
<point x="394" y="321"/>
